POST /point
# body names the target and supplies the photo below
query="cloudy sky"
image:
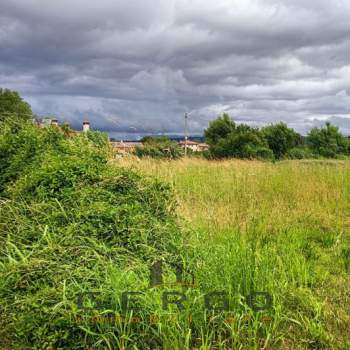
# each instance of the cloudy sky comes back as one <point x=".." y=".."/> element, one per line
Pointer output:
<point x="135" y="66"/>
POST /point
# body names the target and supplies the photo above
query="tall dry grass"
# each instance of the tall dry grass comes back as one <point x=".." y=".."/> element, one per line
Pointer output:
<point x="300" y="209"/>
<point x="237" y="193"/>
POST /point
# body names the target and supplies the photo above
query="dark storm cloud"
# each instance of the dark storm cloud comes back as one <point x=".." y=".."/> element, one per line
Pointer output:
<point x="135" y="66"/>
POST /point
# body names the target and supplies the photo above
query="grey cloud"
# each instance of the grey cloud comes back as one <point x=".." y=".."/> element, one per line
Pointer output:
<point x="342" y="123"/>
<point x="136" y="66"/>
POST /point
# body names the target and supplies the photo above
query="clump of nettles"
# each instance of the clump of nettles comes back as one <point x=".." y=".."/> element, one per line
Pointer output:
<point x="70" y="222"/>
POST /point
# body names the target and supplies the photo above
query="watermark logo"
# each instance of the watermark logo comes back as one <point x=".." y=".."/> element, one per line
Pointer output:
<point x="156" y="276"/>
<point x="214" y="302"/>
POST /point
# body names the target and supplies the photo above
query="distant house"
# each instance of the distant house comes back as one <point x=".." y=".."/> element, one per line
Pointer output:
<point x="47" y="122"/>
<point x="203" y="147"/>
<point x="125" y="146"/>
<point x="44" y="122"/>
<point x="194" y="146"/>
<point x="121" y="147"/>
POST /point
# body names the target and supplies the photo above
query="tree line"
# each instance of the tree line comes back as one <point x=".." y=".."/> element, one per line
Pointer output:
<point x="275" y="141"/>
<point x="226" y="138"/>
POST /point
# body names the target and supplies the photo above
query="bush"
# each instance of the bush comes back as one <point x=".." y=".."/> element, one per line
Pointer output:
<point x="244" y="142"/>
<point x="13" y="107"/>
<point x="300" y="153"/>
<point x="70" y="224"/>
<point x="219" y="129"/>
<point x="167" y="151"/>
<point x="280" y="138"/>
<point x="21" y="147"/>
<point x="328" y="141"/>
<point x="264" y="153"/>
<point x="227" y="140"/>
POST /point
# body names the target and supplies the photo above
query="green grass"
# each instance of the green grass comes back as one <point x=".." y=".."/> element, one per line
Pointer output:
<point x="71" y="225"/>
<point x="77" y="231"/>
<point x="281" y="228"/>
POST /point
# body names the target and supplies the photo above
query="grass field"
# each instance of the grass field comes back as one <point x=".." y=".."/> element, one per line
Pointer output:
<point x="278" y="227"/>
<point x="78" y="231"/>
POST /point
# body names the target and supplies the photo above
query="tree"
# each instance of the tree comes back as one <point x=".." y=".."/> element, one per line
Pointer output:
<point x="242" y="141"/>
<point x="218" y="129"/>
<point x="327" y="141"/>
<point x="280" y="138"/>
<point x="247" y="142"/>
<point x="12" y="105"/>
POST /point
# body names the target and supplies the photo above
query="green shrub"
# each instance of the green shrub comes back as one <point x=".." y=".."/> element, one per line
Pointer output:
<point x="263" y="153"/>
<point x="328" y="141"/>
<point x="280" y="138"/>
<point x="13" y="107"/>
<point x="300" y="153"/>
<point x="167" y="151"/>
<point x="70" y="223"/>
<point x="245" y="142"/>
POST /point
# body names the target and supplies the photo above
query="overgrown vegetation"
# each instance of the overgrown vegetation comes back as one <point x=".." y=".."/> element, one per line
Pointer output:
<point x="283" y="227"/>
<point x="276" y="141"/>
<point x="159" y="147"/>
<point x="78" y="230"/>
<point x="70" y="224"/>
<point x="328" y="141"/>
<point x="11" y="104"/>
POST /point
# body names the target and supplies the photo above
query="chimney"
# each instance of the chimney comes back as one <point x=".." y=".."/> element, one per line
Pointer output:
<point x="86" y="125"/>
<point x="54" y="122"/>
